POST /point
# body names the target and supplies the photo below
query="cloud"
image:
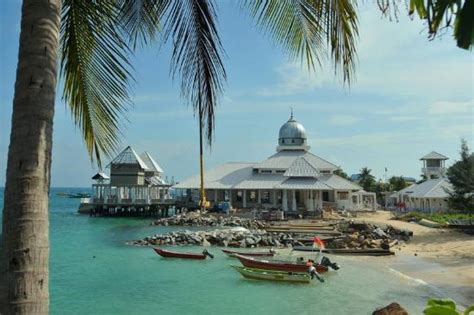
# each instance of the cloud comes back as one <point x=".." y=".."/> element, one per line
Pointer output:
<point x="343" y="120"/>
<point x="404" y="118"/>
<point x="293" y="79"/>
<point x="448" y="107"/>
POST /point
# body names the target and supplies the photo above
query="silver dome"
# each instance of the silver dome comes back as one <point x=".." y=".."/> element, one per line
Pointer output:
<point x="292" y="133"/>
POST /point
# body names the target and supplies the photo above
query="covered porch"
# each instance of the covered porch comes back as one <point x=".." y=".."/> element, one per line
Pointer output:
<point x="288" y="200"/>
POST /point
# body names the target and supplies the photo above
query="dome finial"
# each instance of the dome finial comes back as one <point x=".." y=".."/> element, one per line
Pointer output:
<point x="291" y="111"/>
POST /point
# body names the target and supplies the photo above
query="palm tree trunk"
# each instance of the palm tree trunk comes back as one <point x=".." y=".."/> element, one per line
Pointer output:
<point x="25" y="244"/>
<point x="202" y="191"/>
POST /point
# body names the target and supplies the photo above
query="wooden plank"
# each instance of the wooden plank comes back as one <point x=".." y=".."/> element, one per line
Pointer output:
<point x="344" y="251"/>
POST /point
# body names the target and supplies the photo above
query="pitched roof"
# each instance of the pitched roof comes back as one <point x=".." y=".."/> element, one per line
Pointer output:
<point x="150" y="162"/>
<point x="432" y="188"/>
<point x="434" y="156"/>
<point x="301" y="168"/>
<point x="100" y="175"/>
<point x="128" y="156"/>
<point x="260" y="181"/>
<point x="338" y="183"/>
<point x="283" y="160"/>
<point x="156" y="180"/>
<point x="224" y="176"/>
<point x="303" y="183"/>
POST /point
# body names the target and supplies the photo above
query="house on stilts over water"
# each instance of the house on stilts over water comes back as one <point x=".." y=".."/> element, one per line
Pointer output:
<point x="135" y="186"/>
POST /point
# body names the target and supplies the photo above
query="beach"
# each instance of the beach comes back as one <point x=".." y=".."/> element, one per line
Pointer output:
<point x="442" y="257"/>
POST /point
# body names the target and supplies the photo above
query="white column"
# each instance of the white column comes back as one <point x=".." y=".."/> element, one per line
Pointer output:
<point x="244" y="198"/>
<point x="274" y="198"/>
<point x="285" y="200"/>
<point x="321" y="199"/>
<point x="230" y="196"/>
<point x="215" y="195"/>
<point x="310" y="200"/>
<point x="293" y="200"/>
<point x="259" y="197"/>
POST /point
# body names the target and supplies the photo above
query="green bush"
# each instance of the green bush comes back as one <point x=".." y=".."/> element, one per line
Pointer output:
<point x="444" y="307"/>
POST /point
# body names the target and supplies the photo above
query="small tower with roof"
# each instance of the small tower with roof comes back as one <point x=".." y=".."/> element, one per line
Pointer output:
<point x="434" y="165"/>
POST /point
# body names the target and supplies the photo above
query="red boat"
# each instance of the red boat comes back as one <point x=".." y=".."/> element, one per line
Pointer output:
<point x="167" y="253"/>
<point x="252" y="254"/>
<point x="277" y="265"/>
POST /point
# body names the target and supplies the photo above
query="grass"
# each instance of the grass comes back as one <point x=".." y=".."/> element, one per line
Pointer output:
<point x="436" y="217"/>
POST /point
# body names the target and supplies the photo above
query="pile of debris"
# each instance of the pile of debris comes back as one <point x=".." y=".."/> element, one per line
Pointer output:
<point x="234" y="237"/>
<point x="362" y="235"/>
<point x="197" y="218"/>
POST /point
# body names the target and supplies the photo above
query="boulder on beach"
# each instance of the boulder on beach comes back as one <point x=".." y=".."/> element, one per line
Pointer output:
<point x="391" y="309"/>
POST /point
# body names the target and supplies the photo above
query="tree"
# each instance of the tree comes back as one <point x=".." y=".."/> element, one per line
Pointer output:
<point x="439" y="15"/>
<point x="397" y="183"/>
<point x="94" y="69"/>
<point x="341" y="173"/>
<point x="461" y="177"/>
<point x="367" y="180"/>
<point x="96" y="38"/>
<point x="305" y="30"/>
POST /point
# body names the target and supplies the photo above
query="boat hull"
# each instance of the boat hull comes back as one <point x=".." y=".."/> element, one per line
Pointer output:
<point x="270" y="275"/>
<point x="251" y="254"/>
<point x="170" y="254"/>
<point x="276" y="265"/>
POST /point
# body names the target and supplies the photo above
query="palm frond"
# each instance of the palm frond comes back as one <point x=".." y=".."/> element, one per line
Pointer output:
<point x="308" y="29"/>
<point x="196" y="57"/>
<point x="96" y="72"/>
<point x="141" y="19"/>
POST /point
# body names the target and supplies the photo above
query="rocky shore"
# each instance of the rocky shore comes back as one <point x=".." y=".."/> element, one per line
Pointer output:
<point x="199" y="219"/>
<point x="240" y="232"/>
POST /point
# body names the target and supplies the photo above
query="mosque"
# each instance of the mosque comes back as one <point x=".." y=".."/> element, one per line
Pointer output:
<point x="293" y="179"/>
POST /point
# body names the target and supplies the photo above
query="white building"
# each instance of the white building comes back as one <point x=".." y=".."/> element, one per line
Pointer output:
<point x="432" y="194"/>
<point x="292" y="179"/>
<point x="134" y="179"/>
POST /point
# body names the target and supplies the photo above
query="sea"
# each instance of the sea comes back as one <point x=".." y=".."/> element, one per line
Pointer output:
<point x="93" y="271"/>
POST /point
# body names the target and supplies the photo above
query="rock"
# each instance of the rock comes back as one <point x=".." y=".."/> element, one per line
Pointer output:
<point x="391" y="309"/>
<point x="250" y="241"/>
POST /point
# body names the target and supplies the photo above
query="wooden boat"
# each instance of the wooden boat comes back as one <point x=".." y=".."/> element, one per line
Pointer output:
<point x="287" y="266"/>
<point x="167" y="253"/>
<point x="344" y="251"/>
<point x="252" y="254"/>
<point x="272" y="275"/>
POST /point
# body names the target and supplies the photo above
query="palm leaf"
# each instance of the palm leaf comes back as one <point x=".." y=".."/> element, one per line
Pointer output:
<point x="140" y="19"/>
<point x="196" y="56"/>
<point x="308" y="29"/>
<point x="96" y="72"/>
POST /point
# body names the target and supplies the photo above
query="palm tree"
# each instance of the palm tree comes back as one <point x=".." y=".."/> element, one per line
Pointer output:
<point x="96" y="75"/>
<point x="305" y="29"/>
<point x="367" y="180"/>
<point x="439" y="15"/>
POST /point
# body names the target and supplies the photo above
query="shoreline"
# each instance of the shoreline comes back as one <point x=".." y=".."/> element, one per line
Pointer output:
<point x="440" y="257"/>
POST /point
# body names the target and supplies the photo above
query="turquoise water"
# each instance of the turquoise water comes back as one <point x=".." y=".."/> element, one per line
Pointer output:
<point x="93" y="272"/>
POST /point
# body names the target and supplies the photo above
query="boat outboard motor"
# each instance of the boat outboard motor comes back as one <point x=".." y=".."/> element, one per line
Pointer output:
<point x="205" y="252"/>
<point x="313" y="273"/>
<point x="327" y="262"/>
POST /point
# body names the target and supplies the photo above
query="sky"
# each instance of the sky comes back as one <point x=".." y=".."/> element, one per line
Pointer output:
<point x="412" y="96"/>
